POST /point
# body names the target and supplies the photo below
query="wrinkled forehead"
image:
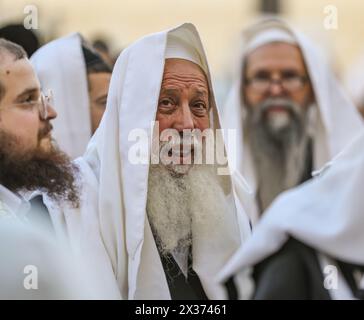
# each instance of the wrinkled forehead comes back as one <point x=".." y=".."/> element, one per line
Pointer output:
<point x="186" y="71"/>
<point x="184" y="64"/>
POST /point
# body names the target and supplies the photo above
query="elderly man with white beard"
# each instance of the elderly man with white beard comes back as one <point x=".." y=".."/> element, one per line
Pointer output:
<point x="290" y="113"/>
<point x="164" y="229"/>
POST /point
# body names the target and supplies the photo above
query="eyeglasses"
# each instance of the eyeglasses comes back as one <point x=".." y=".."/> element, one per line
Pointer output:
<point x="292" y="82"/>
<point x="45" y="101"/>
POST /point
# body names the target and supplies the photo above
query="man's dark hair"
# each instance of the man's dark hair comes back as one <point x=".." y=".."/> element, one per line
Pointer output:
<point x="14" y="50"/>
<point x="101" y="45"/>
<point x="18" y="34"/>
<point x="94" y="63"/>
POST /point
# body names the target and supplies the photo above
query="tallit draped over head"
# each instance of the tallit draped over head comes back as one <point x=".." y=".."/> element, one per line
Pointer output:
<point x="325" y="213"/>
<point x="60" y="66"/>
<point x="122" y="186"/>
<point x="334" y="123"/>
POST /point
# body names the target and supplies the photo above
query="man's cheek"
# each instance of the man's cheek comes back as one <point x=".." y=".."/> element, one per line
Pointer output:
<point x="163" y="123"/>
<point x="203" y="124"/>
<point x="252" y="99"/>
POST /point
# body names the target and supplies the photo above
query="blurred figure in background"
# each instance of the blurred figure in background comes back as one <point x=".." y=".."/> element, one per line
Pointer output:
<point x="79" y="79"/>
<point x="102" y="48"/>
<point x="290" y="113"/>
<point x="18" y="34"/>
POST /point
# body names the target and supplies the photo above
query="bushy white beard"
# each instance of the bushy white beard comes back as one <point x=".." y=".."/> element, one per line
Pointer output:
<point x="180" y="206"/>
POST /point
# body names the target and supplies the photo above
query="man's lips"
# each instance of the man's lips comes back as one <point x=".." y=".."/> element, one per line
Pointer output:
<point x="46" y="135"/>
<point x="184" y="155"/>
<point x="46" y="131"/>
<point x="276" y="109"/>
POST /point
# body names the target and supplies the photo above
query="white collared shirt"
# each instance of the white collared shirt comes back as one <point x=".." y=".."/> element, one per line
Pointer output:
<point x="12" y="204"/>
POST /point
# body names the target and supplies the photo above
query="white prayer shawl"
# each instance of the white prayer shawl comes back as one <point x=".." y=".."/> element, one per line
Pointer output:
<point x="79" y="230"/>
<point x="61" y="67"/>
<point x="334" y="123"/>
<point x="325" y="213"/>
<point x="354" y="82"/>
<point x="36" y="266"/>
<point x="116" y="216"/>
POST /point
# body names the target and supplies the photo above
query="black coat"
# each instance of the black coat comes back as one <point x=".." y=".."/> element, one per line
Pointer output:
<point x="291" y="273"/>
<point x="294" y="273"/>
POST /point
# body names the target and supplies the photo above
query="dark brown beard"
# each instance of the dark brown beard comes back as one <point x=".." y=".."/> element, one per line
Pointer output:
<point x="50" y="171"/>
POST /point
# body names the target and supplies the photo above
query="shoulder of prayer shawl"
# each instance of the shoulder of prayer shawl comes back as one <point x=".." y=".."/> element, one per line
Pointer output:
<point x="3" y="211"/>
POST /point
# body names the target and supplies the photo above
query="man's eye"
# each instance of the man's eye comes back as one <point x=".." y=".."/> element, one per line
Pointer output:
<point x="166" y="103"/>
<point x="199" y="108"/>
<point x="101" y="104"/>
<point x="30" y="98"/>
<point x="290" y="75"/>
<point x="27" y="99"/>
<point x="200" y="105"/>
<point x="262" y="76"/>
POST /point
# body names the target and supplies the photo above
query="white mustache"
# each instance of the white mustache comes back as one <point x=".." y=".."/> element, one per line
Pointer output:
<point x="286" y="104"/>
<point x="184" y="147"/>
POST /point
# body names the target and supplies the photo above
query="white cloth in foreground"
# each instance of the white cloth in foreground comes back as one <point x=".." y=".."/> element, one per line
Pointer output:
<point x="33" y="266"/>
<point x="335" y="123"/>
<point x="325" y="213"/>
<point x="60" y="66"/>
<point x="115" y="190"/>
<point x="62" y="251"/>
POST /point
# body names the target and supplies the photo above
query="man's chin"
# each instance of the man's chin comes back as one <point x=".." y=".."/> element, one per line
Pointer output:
<point x="277" y="121"/>
<point x="179" y="169"/>
<point x="46" y="144"/>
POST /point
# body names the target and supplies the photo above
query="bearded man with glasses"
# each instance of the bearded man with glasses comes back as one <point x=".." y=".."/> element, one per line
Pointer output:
<point x="290" y="113"/>
<point x="29" y="159"/>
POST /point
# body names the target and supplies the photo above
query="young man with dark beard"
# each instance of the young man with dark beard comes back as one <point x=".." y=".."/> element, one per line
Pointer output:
<point x="35" y="177"/>
<point x="29" y="158"/>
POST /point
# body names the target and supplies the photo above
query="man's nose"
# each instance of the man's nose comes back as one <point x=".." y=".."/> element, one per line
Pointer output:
<point x="184" y="119"/>
<point x="52" y="114"/>
<point x="276" y="88"/>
